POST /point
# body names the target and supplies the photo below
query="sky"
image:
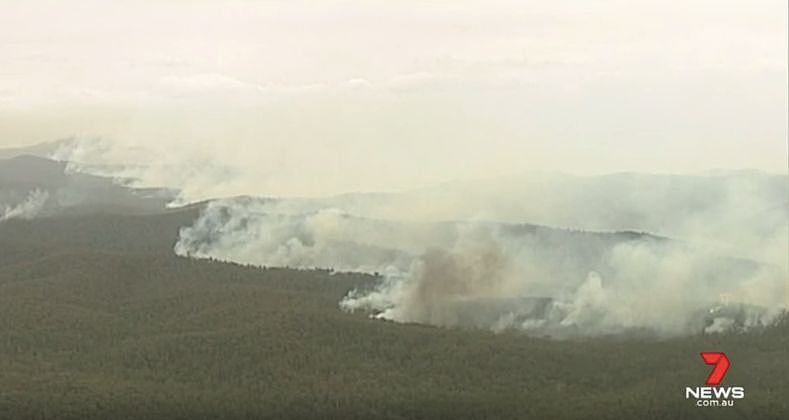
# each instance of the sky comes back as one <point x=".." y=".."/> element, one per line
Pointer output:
<point x="313" y="98"/>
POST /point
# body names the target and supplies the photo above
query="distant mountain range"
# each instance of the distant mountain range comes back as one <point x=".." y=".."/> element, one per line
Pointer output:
<point x="44" y="150"/>
<point x="24" y="176"/>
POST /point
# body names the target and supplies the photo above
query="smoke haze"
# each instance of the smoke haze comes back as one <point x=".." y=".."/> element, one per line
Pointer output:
<point x="507" y="165"/>
<point x="723" y="266"/>
<point x="298" y="99"/>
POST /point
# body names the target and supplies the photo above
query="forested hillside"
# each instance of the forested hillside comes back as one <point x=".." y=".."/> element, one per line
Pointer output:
<point x="99" y="321"/>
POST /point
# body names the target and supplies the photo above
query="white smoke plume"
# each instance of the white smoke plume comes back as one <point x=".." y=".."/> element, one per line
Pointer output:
<point x="263" y="232"/>
<point x="28" y="209"/>
<point x="525" y="283"/>
<point x="465" y="91"/>
<point x="196" y="175"/>
<point x="463" y="253"/>
<point x="542" y="280"/>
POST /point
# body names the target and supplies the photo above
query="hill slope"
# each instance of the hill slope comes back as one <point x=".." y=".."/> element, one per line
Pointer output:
<point x="67" y="192"/>
<point x="117" y="328"/>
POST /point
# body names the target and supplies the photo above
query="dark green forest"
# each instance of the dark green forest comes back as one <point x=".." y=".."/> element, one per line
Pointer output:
<point x="100" y="320"/>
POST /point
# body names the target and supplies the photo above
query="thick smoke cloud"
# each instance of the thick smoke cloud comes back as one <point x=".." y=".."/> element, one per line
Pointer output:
<point x="465" y="91"/>
<point x="266" y="232"/>
<point x="539" y="284"/>
<point x="499" y="276"/>
<point x="463" y="253"/>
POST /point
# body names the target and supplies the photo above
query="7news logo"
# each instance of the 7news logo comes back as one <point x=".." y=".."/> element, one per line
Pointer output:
<point x="714" y="395"/>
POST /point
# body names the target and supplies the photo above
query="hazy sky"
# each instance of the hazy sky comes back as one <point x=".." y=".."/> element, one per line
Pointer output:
<point x="330" y="96"/>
